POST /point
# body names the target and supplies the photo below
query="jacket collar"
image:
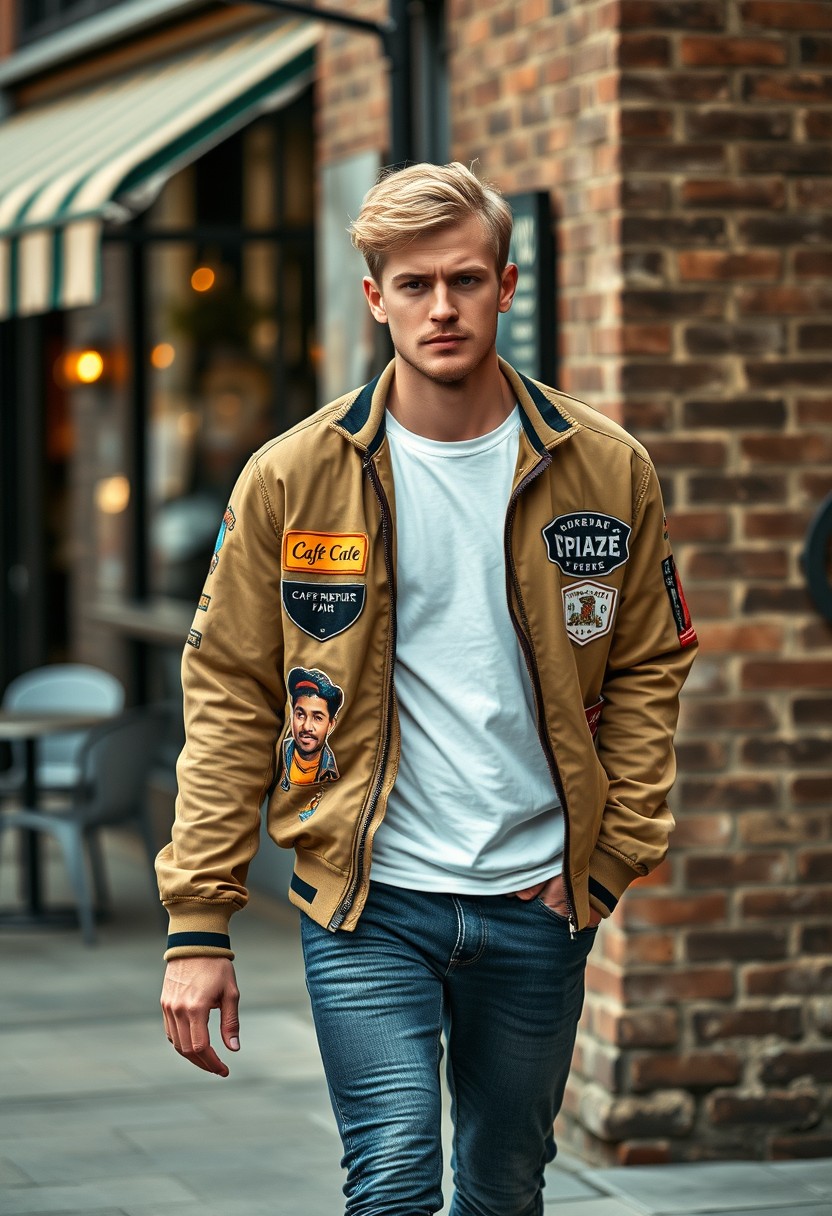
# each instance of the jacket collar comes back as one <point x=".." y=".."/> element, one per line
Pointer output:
<point x="363" y="417"/>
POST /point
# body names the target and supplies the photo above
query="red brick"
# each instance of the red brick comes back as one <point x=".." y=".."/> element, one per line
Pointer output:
<point x="647" y="194"/>
<point x="782" y="525"/>
<point x="792" y="1148"/>
<point x="740" y="638"/>
<point x="644" y="51"/>
<point x="753" y="413"/>
<point x="646" y="124"/>
<point x="676" y="158"/>
<point x="812" y="711"/>
<point x="788" y="599"/>
<point x="775" y="1107"/>
<point x="751" y="1021"/>
<point x="787" y="979"/>
<point x="646" y="339"/>
<point x="788" y="673"/>
<point x="701" y="264"/>
<point x="817" y="636"/>
<point x="751" y="338"/>
<point x="663" y="305"/>
<point x="739" y="563"/>
<point x="786" y="373"/>
<point x="814" y="50"/>
<point x="693" y="983"/>
<point x="708" y="603"/>
<point x="783" y="1067"/>
<point x="699" y="525"/>
<point x="648" y="911"/>
<point x="814" y="337"/>
<point x="809" y="790"/>
<point x="808" y="228"/>
<point x="646" y="1028"/>
<point x="641" y="1153"/>
<point x="801" y="87"/>
<point x="787" y="14"/>
<point x="676" y="86"/>
<point x="700" y="755"/>
<point x="733" y="52"/>
<point x="775" y="905"/>
<point x="742" y="123"/>
<point x="812" y="410"/>
<point x="737" y="944"/>
<point x="739" y="714"/>
<point x="819" y="125"/>
<point x="738" y="869"/>
<point x="789" y="449"/>
<point x="703" y="831"/>
<point x="813" y="193"/>
<point x="816" y="939"/>
<point x="683" y="453"/>
<point x="767" y="194"/>
<point x="786" y="753"/>
<point x="695" y="1070"/>
<point x="785" y="827"/>
<point x="816" y="866"/>
<point x="670" y="14"/>
<point x="740" y="488"/>
<point x="651" y="949"/>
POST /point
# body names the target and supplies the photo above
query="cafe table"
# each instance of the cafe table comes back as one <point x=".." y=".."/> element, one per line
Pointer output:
<point x="29" y="728"/>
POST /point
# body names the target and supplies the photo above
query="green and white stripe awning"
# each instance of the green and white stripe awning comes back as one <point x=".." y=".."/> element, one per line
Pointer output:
<point x="69" y="166"/>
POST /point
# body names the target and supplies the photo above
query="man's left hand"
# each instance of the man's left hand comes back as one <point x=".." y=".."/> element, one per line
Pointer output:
<point x="553" y="895"/>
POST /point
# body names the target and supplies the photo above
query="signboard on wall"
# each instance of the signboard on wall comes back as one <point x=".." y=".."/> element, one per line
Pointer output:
<point x="526" y="335"/>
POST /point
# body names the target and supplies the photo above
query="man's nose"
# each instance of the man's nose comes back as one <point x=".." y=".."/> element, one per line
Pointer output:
<point x="442" y="306"/>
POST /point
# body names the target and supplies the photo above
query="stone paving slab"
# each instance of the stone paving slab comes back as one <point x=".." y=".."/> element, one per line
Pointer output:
<point x="682" y="1190"/>
<point x="816" y="1175"/>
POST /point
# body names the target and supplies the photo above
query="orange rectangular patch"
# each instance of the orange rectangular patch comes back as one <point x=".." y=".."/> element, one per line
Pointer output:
<point x="325" y="552"/>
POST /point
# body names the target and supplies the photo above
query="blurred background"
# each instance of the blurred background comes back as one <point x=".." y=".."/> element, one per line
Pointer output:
<point x="176" y="286"/>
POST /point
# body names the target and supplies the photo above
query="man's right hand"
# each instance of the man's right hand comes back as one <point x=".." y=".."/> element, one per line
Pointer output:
<point x="192" y="988"/>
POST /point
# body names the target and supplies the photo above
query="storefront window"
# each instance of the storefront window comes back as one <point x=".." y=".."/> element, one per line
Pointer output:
<point x="229" y="327"/>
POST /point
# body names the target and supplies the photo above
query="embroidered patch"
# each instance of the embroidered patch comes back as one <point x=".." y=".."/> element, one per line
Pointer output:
<point x="587" y="542"/>
<point x="593" y="716"/>
<point x="323" y="610"/>
<point x="228" y="524"/>
<point x="588" y="611"/>
<point x="316" y="703"/>
<point x="311" y="807"/>
<point x="194" y="638"/>
<point x="204" y="601"/>
<point x="678" y="603"/>
<point x="325" y="552"/>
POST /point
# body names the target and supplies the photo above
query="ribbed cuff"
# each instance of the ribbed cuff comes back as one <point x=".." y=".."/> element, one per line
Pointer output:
<point x="199" y="928"/>
<point x="609" y="877"/>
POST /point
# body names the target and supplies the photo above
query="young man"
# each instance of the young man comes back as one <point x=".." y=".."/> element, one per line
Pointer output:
<point x="487" y="581"/>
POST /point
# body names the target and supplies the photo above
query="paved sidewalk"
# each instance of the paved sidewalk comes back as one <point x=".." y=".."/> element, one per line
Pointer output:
<point x="98" y="1117"/>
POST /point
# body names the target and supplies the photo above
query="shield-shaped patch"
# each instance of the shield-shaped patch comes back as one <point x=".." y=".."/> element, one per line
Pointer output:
<point x="323" y="610"/>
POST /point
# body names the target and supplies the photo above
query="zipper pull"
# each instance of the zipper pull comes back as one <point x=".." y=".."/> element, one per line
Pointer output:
<point x="573" y="929"/>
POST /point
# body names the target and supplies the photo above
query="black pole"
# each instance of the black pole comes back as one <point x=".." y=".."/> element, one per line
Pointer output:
<point x="394" y="34"/>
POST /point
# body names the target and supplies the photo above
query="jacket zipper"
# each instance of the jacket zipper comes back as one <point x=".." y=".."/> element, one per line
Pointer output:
<point x="521" y="628"/>
<point x="346" y="904"/>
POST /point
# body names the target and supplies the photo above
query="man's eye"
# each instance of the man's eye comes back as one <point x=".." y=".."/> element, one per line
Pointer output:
<point x="467" y="279"/>
<point x="414" y="283"/>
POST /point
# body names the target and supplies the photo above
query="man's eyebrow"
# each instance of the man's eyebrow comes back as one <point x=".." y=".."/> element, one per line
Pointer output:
<point x="406" y="276"/>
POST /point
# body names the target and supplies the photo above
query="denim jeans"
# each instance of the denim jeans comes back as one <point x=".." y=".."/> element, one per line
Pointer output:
<point x="504" y="981"/>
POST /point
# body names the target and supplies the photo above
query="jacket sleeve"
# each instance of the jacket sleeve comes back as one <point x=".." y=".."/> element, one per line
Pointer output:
<point x="652" y="649"/>
<point x="234" y="698"/>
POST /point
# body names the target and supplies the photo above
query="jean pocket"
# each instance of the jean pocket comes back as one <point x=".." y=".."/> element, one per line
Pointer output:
<point x="558" y="917"/>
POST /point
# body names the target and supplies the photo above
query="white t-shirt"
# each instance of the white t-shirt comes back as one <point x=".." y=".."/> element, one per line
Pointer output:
<point x="474" y="809"/>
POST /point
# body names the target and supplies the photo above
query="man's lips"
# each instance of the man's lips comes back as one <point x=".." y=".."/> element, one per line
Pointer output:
<point x="443" y="339"/>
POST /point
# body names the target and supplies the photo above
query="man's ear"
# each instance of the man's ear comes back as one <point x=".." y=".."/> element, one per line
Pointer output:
<point x="508" y="286"/>
<point x="373" y="293"/>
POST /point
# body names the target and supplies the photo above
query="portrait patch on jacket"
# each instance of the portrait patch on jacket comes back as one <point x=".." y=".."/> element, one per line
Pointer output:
<point x="587" y="542"/>
<point x="588" y="611"/>
<point x="325" y="552"/>
<point x="323" y="610"/>
<point x="315" y="705"/>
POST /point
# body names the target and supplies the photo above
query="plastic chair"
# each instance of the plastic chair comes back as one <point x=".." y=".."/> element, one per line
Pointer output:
<point x="58" y="688"/>
<point x="115" y="763"/>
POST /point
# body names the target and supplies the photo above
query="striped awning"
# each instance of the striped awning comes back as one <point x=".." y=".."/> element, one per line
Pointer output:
<point x="101" y="154"/>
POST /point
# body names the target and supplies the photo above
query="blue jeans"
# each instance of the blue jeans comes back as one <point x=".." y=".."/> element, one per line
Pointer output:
<point x="505" y="982"/>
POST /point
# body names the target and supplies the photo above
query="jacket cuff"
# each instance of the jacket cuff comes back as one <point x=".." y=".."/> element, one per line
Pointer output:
<point x="609" y="877"/>
<point x="199" y="928"/>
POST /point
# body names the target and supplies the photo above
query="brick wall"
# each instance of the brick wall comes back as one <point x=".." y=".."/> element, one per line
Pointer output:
<point x="687" y="149"/>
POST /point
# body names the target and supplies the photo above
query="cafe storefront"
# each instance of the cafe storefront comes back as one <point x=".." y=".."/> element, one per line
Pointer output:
<point x="157" y="324"/>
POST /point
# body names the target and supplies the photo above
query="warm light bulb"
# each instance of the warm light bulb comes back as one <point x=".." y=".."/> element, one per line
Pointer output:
<point x="83" y="366"/>
<point x="112" y="494"/>
<point x="162" y="355"/>
<point x="203" y="278"/>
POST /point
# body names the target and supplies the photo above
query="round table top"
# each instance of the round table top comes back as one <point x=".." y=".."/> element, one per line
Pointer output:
<point x="33" y="724"/>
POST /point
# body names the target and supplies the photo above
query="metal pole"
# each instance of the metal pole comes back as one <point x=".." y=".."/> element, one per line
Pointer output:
<point x="394" y="33"/>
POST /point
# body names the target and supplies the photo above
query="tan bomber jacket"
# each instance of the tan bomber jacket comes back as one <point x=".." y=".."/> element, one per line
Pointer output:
<point x="301" y="593"/>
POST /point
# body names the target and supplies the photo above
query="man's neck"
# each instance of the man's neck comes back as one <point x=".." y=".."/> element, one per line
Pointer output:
<point x="451" y="412"/>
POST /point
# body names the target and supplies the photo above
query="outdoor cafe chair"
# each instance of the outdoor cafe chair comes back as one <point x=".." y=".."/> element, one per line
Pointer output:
<point x="58" y="688"/>
<point x="114" y="763"/>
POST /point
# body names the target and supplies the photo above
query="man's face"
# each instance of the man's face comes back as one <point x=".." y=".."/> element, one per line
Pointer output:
<point x="311" y="724"/>
<point x="440" y="295"/>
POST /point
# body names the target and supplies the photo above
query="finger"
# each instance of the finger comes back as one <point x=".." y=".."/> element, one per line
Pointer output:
<point x="202" y="1053"/>
<point x="170" y="1027"/>
<point x="184" y="1042"/>
<point x="229" y="1019"/>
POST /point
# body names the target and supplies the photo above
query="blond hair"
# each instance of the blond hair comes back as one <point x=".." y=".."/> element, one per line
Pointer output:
<point x="406" y="203"/>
